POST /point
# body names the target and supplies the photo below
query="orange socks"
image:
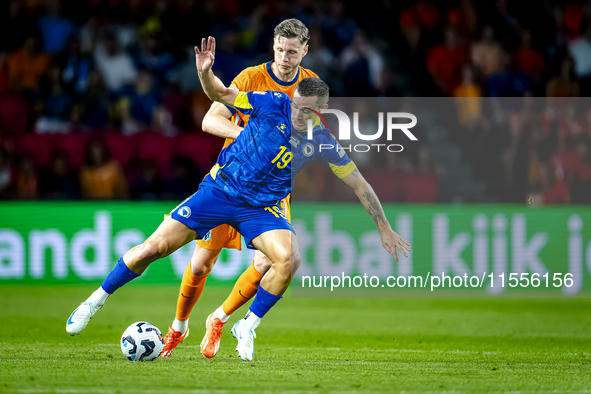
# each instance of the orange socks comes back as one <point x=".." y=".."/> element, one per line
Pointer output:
<point x="192" y="286"/>
<point x="245" y="288"/>
<point x="191" y="289"/>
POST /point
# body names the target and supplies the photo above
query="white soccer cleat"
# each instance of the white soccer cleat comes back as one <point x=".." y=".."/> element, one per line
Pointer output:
<point x="245" y="335"/>
<point x="81" y="316"/>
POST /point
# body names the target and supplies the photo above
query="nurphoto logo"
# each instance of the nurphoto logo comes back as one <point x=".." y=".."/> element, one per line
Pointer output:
<point x="344" y="132"/>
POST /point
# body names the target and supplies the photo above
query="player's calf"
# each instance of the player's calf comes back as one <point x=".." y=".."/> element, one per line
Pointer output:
<point x="283" y="250"/>
<point x="141" y="256"/>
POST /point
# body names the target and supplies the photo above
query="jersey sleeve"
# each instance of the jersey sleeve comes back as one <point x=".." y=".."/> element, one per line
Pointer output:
<point x="241" y="83"/>
<point x="254" y="103"/>
<point x="337" y="159"/>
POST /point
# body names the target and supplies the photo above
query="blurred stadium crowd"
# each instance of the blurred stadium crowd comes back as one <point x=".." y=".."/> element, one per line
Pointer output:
<point x="99" y="99"/>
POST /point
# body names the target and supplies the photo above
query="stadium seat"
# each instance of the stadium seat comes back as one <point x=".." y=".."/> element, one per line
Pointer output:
<point x="201" y="149"/>
<point x="13" y="115"/>
<point x="40" y="147"/>
<point x="121" y="148"/>
<point x="73" y="145"/>
<point x="154" y="146"/>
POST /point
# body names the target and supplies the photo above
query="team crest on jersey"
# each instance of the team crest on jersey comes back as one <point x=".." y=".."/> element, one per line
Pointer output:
<point x="207" y="236"/>
<point x="185" y="212"/>
<point x="308" y="150"/>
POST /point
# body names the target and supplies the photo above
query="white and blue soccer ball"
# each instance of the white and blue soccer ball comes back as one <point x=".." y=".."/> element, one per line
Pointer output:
<point x="142" y="341"/>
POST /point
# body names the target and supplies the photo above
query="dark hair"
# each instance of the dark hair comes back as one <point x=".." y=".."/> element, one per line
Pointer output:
<point x="312" y="86"/>
<point x="292" y="28"/>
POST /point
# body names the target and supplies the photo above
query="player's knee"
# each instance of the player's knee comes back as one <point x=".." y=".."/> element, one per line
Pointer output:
<point x="152" y="249"/>
<point x="200" y="268"/>
<point x="285" y="262"/>
<point x="262" y="263"/>
<point x="203" y="260"/>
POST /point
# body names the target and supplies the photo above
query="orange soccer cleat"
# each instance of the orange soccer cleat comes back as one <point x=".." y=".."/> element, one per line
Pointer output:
<point x="213" y="334"/>
<point x="171" y="341"/>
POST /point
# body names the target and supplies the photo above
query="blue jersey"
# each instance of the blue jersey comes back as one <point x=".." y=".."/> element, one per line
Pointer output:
<point x="323" y="150"/>
<point x="256" y="168"/>
<point x="260" y="165"/>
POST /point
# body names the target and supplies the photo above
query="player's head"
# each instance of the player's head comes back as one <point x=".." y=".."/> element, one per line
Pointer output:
<point x="311" y="95"/>
<point x="290" y="44"/>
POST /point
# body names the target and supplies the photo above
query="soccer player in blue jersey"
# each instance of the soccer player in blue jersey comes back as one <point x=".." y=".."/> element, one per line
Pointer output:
<point x="311" y="95"/>
<point x="243" y="189"/>
<point x="305" y="152"/>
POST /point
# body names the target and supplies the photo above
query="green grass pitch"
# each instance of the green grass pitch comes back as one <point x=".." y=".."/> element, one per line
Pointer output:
<point x="303" y="345"/>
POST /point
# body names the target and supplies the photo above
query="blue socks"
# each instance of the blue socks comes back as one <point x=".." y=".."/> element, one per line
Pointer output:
<point x="263" y="302"/>
<point x="119" y="276"/>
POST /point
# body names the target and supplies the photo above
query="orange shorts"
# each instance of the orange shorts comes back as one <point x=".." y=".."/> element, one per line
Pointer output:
<point x="224" y="235"/>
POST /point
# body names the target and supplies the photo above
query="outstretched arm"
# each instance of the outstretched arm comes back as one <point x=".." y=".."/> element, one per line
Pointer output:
<point x="371" y="203"/>
<point x="212" y="86"/>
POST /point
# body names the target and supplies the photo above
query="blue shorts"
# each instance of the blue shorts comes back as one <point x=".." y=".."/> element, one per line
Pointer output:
<point x="210" y="207"/>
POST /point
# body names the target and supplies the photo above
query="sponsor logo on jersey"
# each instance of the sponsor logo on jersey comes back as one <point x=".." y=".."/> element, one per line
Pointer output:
<point x="282" y="127"/>
<point x="207" y="236"/>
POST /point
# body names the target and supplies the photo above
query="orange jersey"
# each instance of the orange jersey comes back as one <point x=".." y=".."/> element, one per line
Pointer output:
<point x="260" y="78"/>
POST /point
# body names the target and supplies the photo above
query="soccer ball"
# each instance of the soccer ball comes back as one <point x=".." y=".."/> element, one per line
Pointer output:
<point x="142" y="341"/>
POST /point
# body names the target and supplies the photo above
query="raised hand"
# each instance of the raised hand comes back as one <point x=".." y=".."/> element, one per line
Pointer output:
<point x="204" y="58"/>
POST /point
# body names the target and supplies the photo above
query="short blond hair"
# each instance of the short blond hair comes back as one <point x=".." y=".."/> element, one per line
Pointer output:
<point x="293" y="28"/>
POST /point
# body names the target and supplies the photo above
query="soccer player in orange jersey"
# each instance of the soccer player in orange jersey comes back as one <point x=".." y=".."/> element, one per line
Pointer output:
<point x="281" y="74"/>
